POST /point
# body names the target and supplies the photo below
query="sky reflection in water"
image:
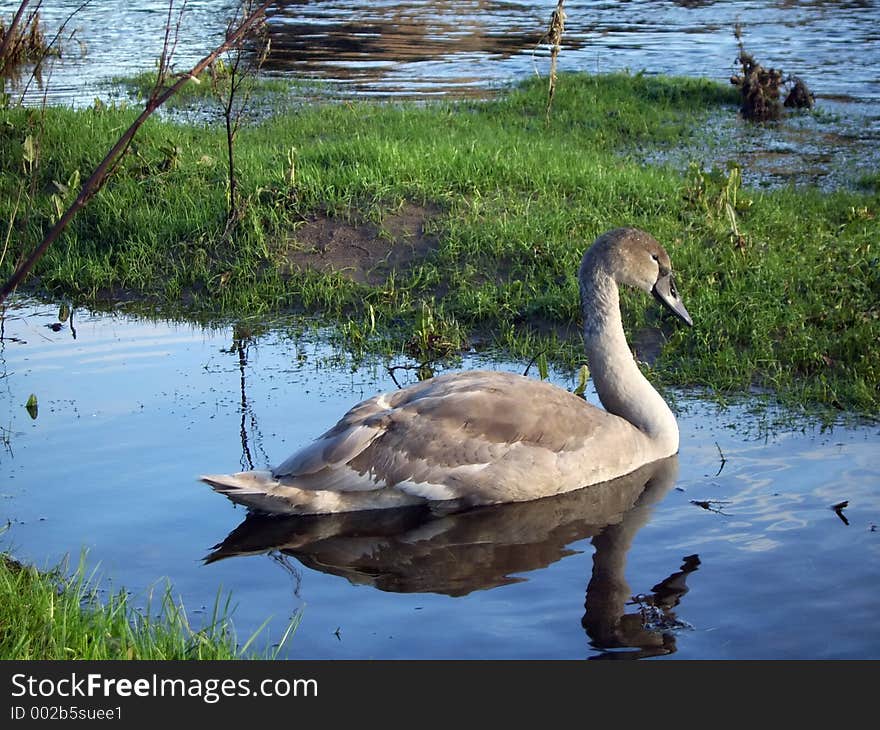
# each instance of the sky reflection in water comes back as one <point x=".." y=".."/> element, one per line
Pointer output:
<point x="748" y="562"/>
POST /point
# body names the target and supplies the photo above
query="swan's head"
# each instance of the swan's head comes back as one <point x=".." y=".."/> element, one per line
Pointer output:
<point x="631" y="256"/>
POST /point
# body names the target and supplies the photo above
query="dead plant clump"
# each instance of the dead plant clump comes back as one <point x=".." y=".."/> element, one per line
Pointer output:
<point x="761" y="88"/>
<point x="554" y="38"/>
<point x="26" y="44"/>
<point x="799" y="97"/>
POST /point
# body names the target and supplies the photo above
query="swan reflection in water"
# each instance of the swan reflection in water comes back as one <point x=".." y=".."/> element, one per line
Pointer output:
<point x="415" y="550"/>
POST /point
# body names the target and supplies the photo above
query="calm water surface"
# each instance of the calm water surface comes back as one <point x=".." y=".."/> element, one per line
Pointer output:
<point x="732" y="550"/>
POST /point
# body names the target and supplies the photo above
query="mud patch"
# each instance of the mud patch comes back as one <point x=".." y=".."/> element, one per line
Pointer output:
<point x="364" y="252"/>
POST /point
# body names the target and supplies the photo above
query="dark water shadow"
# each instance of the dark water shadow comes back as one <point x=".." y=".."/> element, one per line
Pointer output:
<point x="415" y="551"/>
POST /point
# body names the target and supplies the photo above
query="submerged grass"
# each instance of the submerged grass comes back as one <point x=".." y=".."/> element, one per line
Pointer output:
<point x="783" y="284"/>
<point x="53" y="615"/>
<point x="194" y="95"/>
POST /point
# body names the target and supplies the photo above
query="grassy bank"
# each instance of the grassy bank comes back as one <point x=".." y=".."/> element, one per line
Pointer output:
<point x="484" y="210"/>
<point x="53" y="615"/>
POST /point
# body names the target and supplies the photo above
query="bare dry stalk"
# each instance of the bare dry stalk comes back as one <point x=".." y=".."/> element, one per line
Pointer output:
<point x="554" y="38"/>
<point x="99" y="176"/>
<point x="10" y="224"/>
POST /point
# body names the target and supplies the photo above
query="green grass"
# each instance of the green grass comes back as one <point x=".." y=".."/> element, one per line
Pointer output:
<point x="783" y="284"/>
<point x="53" y="615"/>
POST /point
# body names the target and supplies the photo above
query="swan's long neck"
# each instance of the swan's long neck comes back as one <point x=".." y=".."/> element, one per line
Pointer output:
<point x="622" y="388"/>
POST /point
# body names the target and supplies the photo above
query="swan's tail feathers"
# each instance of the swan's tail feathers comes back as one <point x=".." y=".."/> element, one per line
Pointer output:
<point x="253" y="489"/>
<point x="259" y="491"/>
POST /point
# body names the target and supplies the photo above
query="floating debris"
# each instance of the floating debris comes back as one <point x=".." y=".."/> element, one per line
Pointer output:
<point x="32" y="407"/>
<point x="655" y="620"/>
<point x="712" y="505"/>
<point x="656" y="608"/>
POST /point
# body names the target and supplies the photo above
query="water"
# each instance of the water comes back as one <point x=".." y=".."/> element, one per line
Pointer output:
<point x="418" y="48"/>
<point x="424" y="50"/>
<point x="733" y="550"/>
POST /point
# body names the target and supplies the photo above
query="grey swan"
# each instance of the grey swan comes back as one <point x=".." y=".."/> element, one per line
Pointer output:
<point x="484" y="437"/>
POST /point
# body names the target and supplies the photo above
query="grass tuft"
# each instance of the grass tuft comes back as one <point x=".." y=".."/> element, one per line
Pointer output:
<point x="56" y="615"/>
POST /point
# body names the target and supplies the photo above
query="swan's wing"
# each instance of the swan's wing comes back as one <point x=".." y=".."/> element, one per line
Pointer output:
<point x="510" y="439"/>
<point x="322" y="464"/>
<point x="431" y="438"/>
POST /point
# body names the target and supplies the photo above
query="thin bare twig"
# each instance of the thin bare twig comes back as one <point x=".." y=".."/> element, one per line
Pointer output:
<point x="838" y="510"/>
<point x="166" y="59"/>
<point x="533" y="361"/>
<point x="99" y="176"/>
<point x="169" y="46"/>
<point x="422" y="367"/>
<point x="723" y="459"/>
<point x="233" y="113"/>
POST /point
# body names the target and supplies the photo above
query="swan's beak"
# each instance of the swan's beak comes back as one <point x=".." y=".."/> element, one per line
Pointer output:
<point x="664" y="291"/>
